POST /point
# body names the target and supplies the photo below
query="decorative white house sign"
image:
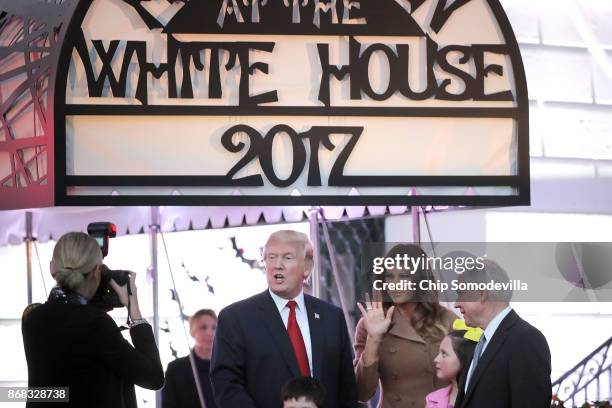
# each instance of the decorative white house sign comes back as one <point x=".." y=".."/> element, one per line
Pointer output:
<point x="321" y="102"/>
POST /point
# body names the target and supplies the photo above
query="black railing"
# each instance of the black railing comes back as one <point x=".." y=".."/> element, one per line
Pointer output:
<point x="589" y="380"/>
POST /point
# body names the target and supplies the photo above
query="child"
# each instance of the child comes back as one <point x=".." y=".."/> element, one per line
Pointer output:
<point x="455" y="356"/>
<point x="304" y="392"/>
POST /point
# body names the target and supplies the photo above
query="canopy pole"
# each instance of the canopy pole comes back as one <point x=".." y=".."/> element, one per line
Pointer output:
<point x="416" y="220"/>
<point x="336" y="273"/>
<point x="416" y="225"/>
<point x="314" y="238"/>
<point x="153" y="230"/>
<point x="29" y="241"/>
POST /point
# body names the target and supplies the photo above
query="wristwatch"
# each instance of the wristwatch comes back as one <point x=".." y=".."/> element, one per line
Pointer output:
<point x="137" y="322"/>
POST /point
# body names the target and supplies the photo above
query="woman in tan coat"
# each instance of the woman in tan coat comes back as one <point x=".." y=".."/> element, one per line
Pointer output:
<point x="396" y="341"/>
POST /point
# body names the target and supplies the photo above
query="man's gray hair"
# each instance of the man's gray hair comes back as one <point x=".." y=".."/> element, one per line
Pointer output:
<point x="491" y="272"/>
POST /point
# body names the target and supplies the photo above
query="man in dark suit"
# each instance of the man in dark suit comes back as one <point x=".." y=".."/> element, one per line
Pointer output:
<point x="511" y="363"/>
<point x="280" y="334"/>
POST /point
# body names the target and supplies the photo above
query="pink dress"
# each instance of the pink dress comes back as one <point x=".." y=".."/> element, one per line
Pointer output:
<point x="439" y="398"/>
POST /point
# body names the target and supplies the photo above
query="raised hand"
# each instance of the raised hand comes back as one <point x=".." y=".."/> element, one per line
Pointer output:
<point x="377" y="322"/>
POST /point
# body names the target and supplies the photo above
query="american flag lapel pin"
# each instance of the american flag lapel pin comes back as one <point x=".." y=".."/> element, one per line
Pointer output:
<point x="317" y="316"/>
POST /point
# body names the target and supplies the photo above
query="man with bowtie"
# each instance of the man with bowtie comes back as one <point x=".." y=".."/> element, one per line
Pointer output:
<point x="280" y="334"/>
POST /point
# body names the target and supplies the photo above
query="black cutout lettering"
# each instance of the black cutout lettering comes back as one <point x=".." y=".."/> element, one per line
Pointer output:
<point x="327" y="70"/>
<point x="402" y="74"/>
<point x="483" y="71"/>
<point x="442" y="13"/>
<point x="317" y="136"/>
<point x="364" y="62"/>
<point x="255" y="149"/>
<point x="468" y="92"/>
<point x="299" y="156"/>
<point x="336" y="175"/>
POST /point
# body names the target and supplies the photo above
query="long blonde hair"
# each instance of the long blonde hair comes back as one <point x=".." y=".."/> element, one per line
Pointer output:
<point x="75" y="255"/>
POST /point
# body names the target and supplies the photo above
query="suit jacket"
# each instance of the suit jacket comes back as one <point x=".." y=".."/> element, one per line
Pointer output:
<point x="405" y="367"/>
<point x="81" y="347"/>
<point x="253" y="358"/>
<point x="180" y="389"/>
<point x="512" y="372"/>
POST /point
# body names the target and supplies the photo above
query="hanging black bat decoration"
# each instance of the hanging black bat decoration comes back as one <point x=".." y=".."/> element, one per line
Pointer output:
<point x="166" y="327"/>
<point x="211" y="289"/>
<point x="240" y="254"/>
<point x="174" y="295"/>
<point x="192" y="277"/>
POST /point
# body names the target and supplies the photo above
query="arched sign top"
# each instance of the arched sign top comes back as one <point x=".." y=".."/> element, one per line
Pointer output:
<point x="319" y="102"/>
<point x="298" y="17"/>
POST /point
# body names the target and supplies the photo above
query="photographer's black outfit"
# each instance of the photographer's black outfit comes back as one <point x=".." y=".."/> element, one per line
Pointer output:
<point x="69" y="343"/>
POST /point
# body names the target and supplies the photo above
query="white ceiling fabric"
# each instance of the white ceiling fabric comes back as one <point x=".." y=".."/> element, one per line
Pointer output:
<point x="557" y="185"/>
<point x="50" y="223"/>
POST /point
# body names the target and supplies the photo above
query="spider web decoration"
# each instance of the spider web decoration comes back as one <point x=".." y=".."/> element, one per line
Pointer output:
<point x="31" y="34"/>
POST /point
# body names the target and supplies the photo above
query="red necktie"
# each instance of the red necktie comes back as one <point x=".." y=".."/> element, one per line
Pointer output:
<point x="297" y="341"/>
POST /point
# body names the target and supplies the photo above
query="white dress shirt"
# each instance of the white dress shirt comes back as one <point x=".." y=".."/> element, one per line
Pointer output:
<point x="494" y="324"/>
<point x="488" y="335"/>
<point x="300" y="315"/>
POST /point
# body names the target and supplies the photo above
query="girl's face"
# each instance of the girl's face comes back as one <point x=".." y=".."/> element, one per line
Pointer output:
<point x="446" y="362"/>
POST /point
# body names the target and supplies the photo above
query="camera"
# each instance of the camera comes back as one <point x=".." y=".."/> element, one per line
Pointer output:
<point x="105" y="297"/>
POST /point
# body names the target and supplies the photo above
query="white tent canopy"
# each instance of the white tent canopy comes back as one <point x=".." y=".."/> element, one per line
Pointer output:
<point x="557" y="186"/>
<point x="48" y="223"/>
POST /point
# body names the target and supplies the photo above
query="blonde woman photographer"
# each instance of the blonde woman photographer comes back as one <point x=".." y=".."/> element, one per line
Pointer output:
<point x="71" y="343"/>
